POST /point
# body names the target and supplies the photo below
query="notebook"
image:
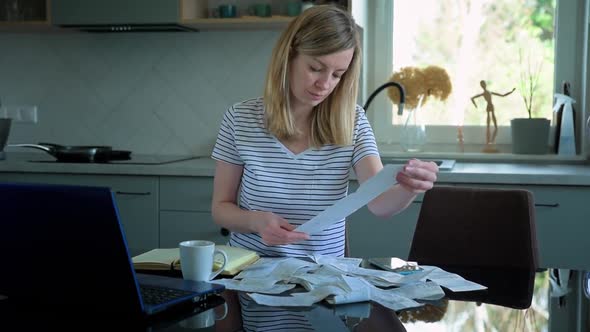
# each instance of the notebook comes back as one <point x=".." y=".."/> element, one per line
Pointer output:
<point x="168" y="259"/>
<point x="63" y="248"/>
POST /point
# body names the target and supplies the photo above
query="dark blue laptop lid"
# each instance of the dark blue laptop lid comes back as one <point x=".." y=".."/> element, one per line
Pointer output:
<point x="63" y="247"/>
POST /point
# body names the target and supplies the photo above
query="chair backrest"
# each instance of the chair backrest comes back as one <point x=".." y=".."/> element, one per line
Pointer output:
<point x="486" y="235"/>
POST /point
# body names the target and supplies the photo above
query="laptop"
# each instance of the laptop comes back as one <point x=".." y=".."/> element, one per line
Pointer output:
<point x="63" y="249"/>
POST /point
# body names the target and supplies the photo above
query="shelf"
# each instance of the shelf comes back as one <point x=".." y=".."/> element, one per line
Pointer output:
<point x="244" y="22"/>
<point x="26" y="26"/>
<point x="25" y="16"/>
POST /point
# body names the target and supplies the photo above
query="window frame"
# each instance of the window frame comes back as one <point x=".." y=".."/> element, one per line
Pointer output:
<point x="570" y="66"/>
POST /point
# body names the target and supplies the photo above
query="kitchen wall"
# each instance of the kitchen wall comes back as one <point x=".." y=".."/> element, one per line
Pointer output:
<point x="161" y="93"/>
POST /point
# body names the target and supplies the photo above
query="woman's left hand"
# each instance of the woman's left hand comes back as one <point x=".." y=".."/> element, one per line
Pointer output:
<point x="417" y="176"/>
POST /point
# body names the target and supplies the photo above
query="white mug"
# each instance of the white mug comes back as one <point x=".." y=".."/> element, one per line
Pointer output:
<point x="205" y="319"/>
<point x="196" y="260"/>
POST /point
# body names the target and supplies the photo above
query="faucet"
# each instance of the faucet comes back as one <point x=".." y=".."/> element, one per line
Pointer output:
<point x="402" y="96"/>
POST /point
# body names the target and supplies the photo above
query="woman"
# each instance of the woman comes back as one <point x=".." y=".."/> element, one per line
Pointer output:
<point x="283" y="158"/>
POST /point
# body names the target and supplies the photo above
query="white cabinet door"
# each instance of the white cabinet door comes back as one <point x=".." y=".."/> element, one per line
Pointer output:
<point x="185" y="211"/>
<point x="177" y="226"/>
<point x="186" y="193"/>
<point x="371" y="236"/>
<point x="562" y="215"/>
<point x="136" y="197"/>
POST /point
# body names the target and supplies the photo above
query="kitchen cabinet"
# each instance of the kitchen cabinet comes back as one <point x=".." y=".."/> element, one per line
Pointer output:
<point x="561" y="214"/>
<point x="371" y="236"/>
<point x="24" y="15"/>
<point x="136" y="197"/>
<point x="185" y="211"/>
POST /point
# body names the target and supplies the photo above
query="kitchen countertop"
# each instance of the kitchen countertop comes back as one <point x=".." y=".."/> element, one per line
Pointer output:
<point x="462" y="172"/>
<point x="20" y="162"/>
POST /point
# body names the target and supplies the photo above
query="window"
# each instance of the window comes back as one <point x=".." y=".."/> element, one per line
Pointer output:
<point x="501" y="42"/>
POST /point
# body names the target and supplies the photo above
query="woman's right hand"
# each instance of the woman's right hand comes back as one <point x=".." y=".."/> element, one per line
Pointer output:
<point x="275" y="230"/>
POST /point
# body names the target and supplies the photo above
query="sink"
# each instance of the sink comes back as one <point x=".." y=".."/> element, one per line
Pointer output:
<point x="443" y="164"/>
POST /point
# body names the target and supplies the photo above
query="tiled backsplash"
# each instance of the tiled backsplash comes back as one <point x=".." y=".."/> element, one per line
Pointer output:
<point x="161" y="93"/>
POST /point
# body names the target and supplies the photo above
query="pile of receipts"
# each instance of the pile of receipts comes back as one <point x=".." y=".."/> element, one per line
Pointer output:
<point x="338" y="280"/>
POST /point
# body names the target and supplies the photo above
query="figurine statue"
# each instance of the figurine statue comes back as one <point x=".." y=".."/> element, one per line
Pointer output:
<point x="491" y="116"/>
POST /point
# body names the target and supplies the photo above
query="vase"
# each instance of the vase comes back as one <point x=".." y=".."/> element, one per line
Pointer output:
<point x="530" y="136"/>
<point x="413" y="133"/>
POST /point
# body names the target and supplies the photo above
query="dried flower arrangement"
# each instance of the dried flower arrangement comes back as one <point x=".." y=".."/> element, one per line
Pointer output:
<point x="429" y="313"/>
<point x="432" y="81"/>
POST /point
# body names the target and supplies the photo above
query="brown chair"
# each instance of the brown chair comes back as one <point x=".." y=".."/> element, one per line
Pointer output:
<point x="485" y="235"/>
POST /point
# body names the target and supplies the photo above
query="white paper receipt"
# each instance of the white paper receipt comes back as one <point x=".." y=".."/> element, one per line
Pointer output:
<point x="372" y="188"/>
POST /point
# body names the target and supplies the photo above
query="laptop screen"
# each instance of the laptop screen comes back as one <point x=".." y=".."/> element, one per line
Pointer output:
<point x="64" y="248"/>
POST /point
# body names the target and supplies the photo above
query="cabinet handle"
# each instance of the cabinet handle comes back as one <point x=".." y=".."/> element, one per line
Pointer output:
<point x="224" y="231"/>
<point x="547" y="205"/>
<point x="146" y="193"/>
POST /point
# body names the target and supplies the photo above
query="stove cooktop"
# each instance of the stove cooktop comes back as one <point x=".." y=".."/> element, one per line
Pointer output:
<point x="149" y="159"/>
<point x="136" y="159"/>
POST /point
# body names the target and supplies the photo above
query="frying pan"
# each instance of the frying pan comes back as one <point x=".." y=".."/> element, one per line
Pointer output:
<point x="79" y="153"/>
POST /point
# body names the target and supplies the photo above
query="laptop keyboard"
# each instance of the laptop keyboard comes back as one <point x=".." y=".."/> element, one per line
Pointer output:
<point x="156" y="295"/>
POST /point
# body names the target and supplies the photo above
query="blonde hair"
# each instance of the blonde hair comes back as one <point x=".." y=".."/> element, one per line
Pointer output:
<point x="318" y="31"/>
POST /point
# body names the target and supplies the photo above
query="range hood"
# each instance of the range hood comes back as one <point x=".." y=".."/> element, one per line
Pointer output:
<point x="118" y="15"/>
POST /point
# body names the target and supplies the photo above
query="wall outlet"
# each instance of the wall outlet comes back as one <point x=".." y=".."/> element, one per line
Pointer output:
<point x="28" y="114"/>
<point x="20" y="113"/>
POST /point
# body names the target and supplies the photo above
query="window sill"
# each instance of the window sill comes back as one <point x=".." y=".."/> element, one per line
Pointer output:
<point x="473" y="153"/>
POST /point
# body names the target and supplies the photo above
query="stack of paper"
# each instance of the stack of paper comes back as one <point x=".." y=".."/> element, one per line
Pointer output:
<point x="341" y="280"/>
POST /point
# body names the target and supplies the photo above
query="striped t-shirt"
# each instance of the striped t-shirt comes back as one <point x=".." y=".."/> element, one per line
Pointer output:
<point x="296" y="187"/>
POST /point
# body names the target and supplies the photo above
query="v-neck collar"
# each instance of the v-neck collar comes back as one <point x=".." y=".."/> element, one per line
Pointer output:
<point x="289" y="152"/>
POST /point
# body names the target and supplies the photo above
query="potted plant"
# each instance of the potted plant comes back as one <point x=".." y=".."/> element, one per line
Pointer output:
<point x="529" y="135"/>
